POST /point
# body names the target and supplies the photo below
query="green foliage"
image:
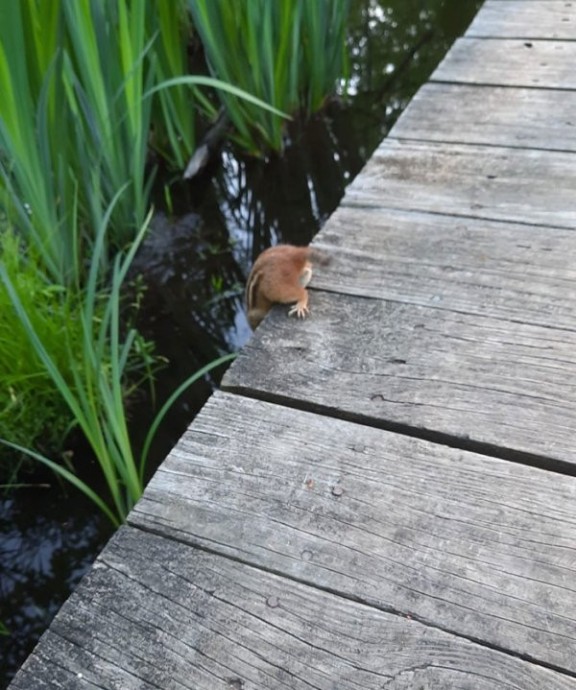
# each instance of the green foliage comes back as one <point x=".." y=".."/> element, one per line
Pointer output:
<point x="288" y="53"/>
<point x="105" y="74"/>
<point x="87" y="88"/>
<point x="80" y="126"/>
<point x="25" y="188"/>
<point x="77" y="132"/>
<point x="173" y="114"/>
<point x="91" y="376"/>
<point x="323" y="50"/>
<point x="30" y="411"/>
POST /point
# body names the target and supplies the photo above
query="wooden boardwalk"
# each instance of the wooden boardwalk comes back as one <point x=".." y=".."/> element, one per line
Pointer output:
<point x="383" y="496"/>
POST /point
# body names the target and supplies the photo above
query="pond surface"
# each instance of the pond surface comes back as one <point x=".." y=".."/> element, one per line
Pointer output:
<point x="195" y="263"/>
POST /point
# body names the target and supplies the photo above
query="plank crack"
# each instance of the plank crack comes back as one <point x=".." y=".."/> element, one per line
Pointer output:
<point x="372" y="205"/>
<point x="464" y="442"/>
<point x="476" y="144"/>
<point x="529" y="87"/>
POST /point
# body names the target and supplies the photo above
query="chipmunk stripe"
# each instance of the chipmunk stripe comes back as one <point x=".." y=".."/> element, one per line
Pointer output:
<point x="252" y="290"/>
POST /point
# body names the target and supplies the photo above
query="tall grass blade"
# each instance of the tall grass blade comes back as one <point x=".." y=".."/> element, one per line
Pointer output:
<point x="198" y="80"/>
<point x="172" y="399"/>
<point x="288" y="53"/>
<point x="70" y="477"/>
<point x="173" y="113"/>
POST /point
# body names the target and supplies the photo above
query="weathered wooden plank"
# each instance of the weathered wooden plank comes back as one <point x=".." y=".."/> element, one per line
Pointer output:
<point x="474" y="378"/>
<point x="519" y="185"/>
<point x="536" y="19"/>
<point x="513" y="272"/>
<point x="157" y="614"/>
<point x="510" y="62"/>
<point x="474" y="545"/>
<point x="491" y="115"/>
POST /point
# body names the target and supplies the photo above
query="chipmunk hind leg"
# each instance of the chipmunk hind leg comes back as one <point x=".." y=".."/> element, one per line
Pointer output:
<point x="306" y="275"/>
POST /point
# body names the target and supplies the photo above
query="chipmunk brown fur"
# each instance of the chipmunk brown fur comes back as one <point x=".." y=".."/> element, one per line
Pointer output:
<point x="280" y="275"/>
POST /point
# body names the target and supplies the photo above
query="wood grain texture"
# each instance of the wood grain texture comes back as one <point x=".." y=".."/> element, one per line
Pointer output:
<point x="517" y="185"/>
<point x="510" y="62"/>
<point x="513" y="272"/>
<point x="492" y="116"/>
<point x="537" y="19"/>
<point x="157" y="614"/>
<point x="507" y="385"/>
<point x="467" y="543"/>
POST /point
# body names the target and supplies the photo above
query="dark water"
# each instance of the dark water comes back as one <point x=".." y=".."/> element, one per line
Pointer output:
<point x="195" y="263"/>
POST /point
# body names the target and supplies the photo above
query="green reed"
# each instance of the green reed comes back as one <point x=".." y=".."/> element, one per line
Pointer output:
<point x="80" y="80"/>
<point x="73" y="126"/>
<point x="173" y="111"/>
<point x="93" y="382"/>
<point x="31" y="411"/>
<point x="288" y="53"/>
<point x="87" y="88"/>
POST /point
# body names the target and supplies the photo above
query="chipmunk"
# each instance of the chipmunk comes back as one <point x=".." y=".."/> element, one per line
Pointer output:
<point x="280" y="275"/>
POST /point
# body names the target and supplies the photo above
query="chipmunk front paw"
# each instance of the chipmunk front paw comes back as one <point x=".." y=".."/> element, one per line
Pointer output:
<point x="300" y="310"/>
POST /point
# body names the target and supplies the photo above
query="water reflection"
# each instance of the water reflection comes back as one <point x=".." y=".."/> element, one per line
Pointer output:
<point x="195" y="262"/>
<point x="47" y="543"/>
<point x="394" y="46"/>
